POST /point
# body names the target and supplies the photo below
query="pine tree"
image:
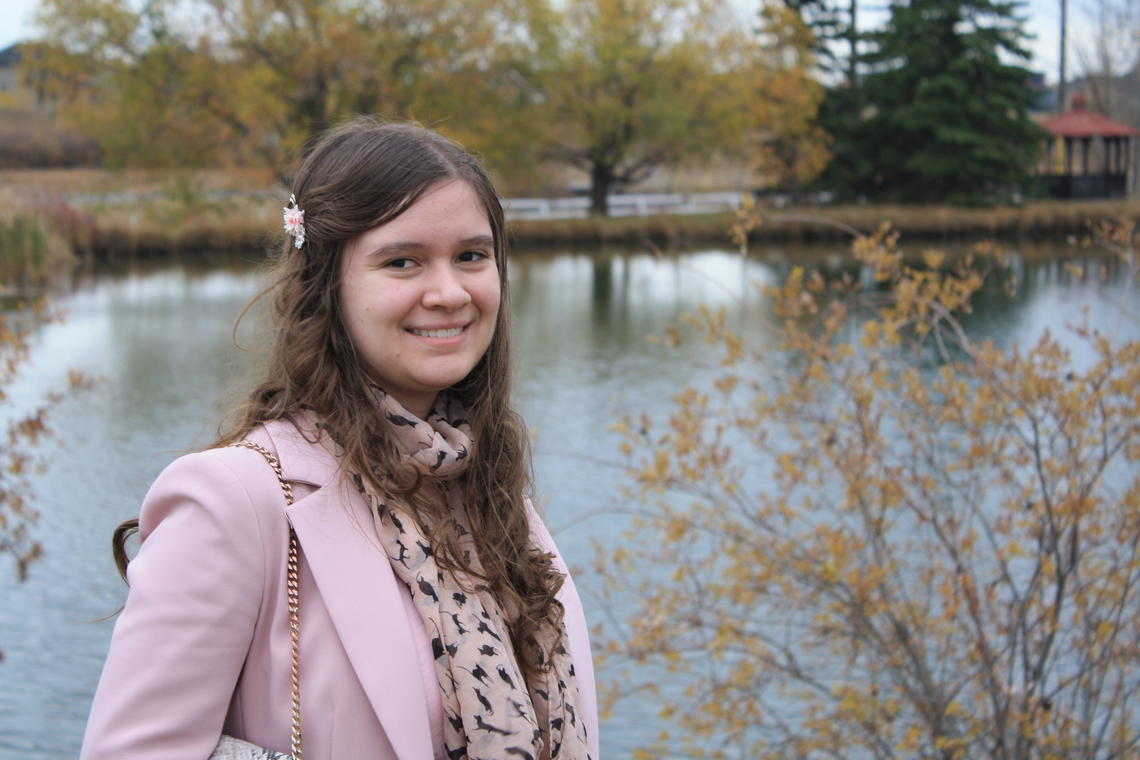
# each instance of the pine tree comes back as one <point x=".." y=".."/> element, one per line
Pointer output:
<point x="941" y="114"/>
<point x="835" y="38"/>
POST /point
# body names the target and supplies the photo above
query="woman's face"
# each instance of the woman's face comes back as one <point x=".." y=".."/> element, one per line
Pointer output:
<point x="420" y="294"/>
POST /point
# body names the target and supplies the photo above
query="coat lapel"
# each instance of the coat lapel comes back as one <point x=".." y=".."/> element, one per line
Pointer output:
<point x="339" y="545"/>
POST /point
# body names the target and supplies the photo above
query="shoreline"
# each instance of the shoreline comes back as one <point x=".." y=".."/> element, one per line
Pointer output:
<point x="187" y="212"/>
<point x="1039" y="221"/>
<point x="108" y="237"/>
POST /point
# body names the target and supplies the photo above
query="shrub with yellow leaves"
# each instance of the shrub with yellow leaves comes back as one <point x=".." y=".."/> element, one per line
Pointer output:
<point x="898" y="543"/>
<point x="30" y="251"/>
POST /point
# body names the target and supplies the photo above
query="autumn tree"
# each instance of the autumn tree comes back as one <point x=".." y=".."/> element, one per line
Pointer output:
<point x="896" y="541"/>
<point x="790" y="146"/>
<point x="617" y="87"/>
<point x="627" y="86"/>
<point x="213" y="82"/>
<point x="1109" y="58"/>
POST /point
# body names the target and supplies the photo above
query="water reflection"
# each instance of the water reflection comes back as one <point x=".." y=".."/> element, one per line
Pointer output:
<point x="161" y="336"/>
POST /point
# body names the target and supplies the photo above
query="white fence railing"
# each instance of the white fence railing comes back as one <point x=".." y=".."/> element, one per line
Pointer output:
<point x="516" y="208"/>
<point x="622" y="205"/>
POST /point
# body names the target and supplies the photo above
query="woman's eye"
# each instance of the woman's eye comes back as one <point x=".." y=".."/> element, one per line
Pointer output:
<point x="474" y="256"/>
<point x="399" y="264"/>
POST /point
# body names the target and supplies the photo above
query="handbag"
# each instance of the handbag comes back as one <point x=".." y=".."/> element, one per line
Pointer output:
<point x="229" y="747"/>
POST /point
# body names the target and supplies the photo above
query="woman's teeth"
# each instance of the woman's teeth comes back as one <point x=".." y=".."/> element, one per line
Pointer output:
<point x="448" y="333"/>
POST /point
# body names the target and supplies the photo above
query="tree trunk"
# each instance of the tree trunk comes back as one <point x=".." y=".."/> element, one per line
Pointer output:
<point x="853" y="42"/>
<point x="601" y="180"/>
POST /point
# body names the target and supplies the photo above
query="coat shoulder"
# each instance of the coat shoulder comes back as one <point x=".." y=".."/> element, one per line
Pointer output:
<point x="230" y="480"/>
<point x="305" y="452"/>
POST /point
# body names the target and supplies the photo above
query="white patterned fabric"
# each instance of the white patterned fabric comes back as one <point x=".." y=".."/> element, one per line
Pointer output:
<point x="491" y="711"/>
<point x="230" y="748"/>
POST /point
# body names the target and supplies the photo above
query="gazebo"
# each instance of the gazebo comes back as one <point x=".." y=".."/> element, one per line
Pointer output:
<point x="1081" y="126"/>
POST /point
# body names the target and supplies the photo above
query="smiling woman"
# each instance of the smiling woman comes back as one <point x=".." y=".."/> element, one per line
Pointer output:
<point x="436" y="617"/>
<point x="420" y="295"/>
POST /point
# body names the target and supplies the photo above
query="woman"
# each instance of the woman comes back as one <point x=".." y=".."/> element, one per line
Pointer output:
<point x="436" y="618"/>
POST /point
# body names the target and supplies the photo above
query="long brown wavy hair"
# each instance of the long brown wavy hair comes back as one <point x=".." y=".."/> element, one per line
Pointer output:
<point x="358" y="176"/>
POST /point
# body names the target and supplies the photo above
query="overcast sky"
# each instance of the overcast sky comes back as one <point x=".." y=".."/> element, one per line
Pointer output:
<point x="1043" y="22"/>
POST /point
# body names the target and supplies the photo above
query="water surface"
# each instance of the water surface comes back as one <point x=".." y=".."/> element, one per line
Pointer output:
<point x="160" y="336"/>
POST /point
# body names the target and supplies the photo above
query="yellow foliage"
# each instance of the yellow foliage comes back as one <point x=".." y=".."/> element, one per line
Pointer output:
<point x="877" y="556"/>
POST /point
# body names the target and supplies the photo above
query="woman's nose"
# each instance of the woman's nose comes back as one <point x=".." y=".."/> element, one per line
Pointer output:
<point x="444" y="289"/>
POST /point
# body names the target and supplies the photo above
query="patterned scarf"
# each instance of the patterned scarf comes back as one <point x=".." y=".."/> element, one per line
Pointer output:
<point x="491" y="711"/>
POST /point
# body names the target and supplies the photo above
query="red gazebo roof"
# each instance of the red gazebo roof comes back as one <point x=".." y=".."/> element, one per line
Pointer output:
<point x="1080" y="122"/>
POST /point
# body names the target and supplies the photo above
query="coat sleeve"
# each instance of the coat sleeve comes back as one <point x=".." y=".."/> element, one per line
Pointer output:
<point x="195" y="588"/>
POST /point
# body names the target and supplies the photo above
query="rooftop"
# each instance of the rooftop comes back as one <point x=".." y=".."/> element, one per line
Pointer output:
<point x="1078" y="121"/>
<point x="10" y="55"/>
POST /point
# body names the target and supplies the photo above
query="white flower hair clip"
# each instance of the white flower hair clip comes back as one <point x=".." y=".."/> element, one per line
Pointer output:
<point x="295" y="222"/>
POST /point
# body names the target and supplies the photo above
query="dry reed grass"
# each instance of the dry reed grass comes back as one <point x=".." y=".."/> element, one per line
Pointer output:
<point x="32" y="245"/>
<point x="111" y="213"/>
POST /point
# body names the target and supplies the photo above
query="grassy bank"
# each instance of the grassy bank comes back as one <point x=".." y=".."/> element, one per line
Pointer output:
<point x="169" y="226"/>
<point x="109" y="214"/>
<point x="32" y="246"/>
<point x="1051" y="220"/>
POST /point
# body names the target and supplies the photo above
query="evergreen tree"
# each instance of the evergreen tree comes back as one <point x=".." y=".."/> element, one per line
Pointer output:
<point x="834" y="36"/>
<point x="942" y="113"/>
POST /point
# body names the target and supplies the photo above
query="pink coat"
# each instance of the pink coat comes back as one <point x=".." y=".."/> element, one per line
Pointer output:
<point x="202" y="646"/>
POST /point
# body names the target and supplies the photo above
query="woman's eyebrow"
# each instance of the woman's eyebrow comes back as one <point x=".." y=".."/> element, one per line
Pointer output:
<point x="478" y="241"/>
<point x="397" y="248"/>
<point x="400" y="247"/>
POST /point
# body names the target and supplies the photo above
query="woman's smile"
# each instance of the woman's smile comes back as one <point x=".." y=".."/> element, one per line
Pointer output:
<point x="437" y="332"/>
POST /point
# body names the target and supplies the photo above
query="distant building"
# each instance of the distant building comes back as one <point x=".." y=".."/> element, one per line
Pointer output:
<point x="15" y="90"/>
<point x="30" y="134"/>
<point x="9" y="76"/>
<point x="1089" y="155"/>
<point x="1115" y="96"/>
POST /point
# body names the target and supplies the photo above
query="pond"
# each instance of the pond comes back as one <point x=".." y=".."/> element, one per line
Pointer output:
<point x="159" y="335"/>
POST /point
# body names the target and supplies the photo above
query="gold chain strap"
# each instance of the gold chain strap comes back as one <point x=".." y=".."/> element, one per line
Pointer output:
<point x="293" y="587"/>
